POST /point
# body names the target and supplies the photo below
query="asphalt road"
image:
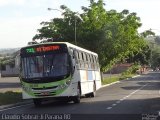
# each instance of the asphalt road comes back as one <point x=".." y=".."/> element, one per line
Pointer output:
<point x="134" y="99"/>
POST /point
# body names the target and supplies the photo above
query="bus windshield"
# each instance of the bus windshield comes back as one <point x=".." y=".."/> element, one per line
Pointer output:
<point x="46" y="65"/>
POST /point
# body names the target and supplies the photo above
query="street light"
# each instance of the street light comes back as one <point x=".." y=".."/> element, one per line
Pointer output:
<point x="75" y="25"/>
<point x="76" y="14"/>
<point x="54" y="9"/>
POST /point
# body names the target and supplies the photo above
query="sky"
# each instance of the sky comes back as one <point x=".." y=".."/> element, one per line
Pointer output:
<point x="20" y="19"/>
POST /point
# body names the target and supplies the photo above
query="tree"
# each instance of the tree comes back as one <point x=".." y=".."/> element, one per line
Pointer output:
<point x="157" y="39"/>
<point x="111" y="34"/>
<point x="155" y="60"/>
<point x="147" y="33"/>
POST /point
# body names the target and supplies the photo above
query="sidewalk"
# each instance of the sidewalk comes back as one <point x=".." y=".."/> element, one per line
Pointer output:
<point x="10" y="84"/>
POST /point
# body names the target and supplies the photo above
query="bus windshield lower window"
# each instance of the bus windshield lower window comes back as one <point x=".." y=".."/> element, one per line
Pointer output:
<point x="50" y="65"/>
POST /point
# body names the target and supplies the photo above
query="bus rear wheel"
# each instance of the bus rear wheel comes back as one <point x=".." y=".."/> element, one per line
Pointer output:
<point x="93" y="94"/>
<point x="37" y="102"/>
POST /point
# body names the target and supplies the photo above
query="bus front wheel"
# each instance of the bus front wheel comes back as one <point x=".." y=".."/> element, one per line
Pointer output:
<point x="77" y="99"/>
<point x="37" y="102"/>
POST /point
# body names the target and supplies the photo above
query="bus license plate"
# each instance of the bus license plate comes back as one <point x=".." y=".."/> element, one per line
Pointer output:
<point x="45" y="93"/>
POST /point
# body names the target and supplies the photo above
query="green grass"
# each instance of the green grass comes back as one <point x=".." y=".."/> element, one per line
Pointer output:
<point x="112" y="79"/>
<point x="109" y="80"/>
<point x="122" y="77"/>
<point x="10" y="97"/>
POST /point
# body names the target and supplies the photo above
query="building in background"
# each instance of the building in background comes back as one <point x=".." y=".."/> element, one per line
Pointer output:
<point x="10" y="68"/>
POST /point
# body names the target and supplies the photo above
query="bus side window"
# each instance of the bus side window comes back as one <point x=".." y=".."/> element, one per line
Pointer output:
<point x="76" y="58"/>
<point x="90" y="63"/>
<point x="87" y="61"/>
<point x="71" y="51"/>
<point x="80" y="55"/>
<point x="80" y="59"/>
<point x="82" y="62"/>
<point x="84" y="56"/>
<point x="93" y="63"/>
<point x="97" y="62"/>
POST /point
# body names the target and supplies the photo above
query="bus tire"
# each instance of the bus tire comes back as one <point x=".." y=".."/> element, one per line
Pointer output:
<point x="93" y="94"/>
<point x="37" y="102"/>
<point x="88" y="95"/>
<point x="77" y="99"/>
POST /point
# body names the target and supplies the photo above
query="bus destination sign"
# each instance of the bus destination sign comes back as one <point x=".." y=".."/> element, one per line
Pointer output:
<point x="40" y="49"/>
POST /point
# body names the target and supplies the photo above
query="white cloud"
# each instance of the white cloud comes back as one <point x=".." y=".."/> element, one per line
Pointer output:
<point x="18" y="32"/>
<point x="147" y="10"/>
<point x="9" y="2"/>
<point x="43" y="3"/>
<point x="133" y="5"/>
<point x="20" y="29"/>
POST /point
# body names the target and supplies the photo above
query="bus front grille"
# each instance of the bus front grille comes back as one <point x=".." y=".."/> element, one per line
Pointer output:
<point x="45" y="88"/>
<point x="44" y="94"/>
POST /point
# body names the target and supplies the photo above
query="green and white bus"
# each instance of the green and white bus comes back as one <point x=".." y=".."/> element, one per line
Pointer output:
<point x="58" y="70"/>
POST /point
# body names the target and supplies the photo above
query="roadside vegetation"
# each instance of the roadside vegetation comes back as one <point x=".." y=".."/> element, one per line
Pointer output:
<point x="112" y="79"/>
<point x="132" y="71"/>
<point x="10" y="97"/>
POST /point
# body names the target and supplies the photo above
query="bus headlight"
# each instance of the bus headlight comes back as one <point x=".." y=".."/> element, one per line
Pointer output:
<point x="62" y="86"/>
<point x="26" y="88"/>
<point x="66" y="84"/>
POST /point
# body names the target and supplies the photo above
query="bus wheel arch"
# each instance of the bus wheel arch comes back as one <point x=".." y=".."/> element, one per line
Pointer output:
<point x="93" y="94"/>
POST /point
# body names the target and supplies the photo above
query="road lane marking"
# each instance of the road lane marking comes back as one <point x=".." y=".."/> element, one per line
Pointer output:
<point x="15" y="107"/>
<point x="133" y="92"/>
<point x="118" y="102"/>
<point x="109" y="108"/>
<point x="114" y="104"/>
<point x="122" y="99"/>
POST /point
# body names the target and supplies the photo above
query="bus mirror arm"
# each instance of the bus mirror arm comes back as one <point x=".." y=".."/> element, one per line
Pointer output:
<point x="72" y="69"/>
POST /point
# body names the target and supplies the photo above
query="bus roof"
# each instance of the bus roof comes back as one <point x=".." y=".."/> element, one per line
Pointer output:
<point x="67" y="43"/>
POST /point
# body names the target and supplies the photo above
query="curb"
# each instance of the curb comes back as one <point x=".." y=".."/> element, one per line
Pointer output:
<point x="110" y="84"/>
<point x="136" y="76"/>
<point x="119" y="81"/>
